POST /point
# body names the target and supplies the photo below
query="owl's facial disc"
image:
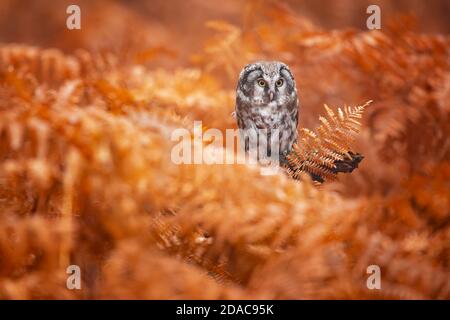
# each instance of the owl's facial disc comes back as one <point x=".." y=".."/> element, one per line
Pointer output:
<point x="265" y="83"/>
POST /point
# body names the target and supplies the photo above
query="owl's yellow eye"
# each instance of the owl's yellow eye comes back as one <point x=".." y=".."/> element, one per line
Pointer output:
<point x="261" y="83"/>
<point x="279" y="82"/>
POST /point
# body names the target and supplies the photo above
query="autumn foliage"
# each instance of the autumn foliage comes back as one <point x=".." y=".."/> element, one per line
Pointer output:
<point x="86" y="176"/>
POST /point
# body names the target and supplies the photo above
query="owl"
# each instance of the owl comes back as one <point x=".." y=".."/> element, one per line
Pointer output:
<point x="267" y="108"/>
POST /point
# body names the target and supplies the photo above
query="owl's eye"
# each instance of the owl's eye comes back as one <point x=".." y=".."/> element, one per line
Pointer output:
<point x="261" y="83"/>
<point x="279" y="82"/>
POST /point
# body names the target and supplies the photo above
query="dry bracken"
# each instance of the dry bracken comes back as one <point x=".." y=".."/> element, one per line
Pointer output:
<point x="86" y="176"/>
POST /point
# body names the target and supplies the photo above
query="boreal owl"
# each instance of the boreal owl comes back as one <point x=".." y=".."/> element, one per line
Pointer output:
<point x="267" y="109"/>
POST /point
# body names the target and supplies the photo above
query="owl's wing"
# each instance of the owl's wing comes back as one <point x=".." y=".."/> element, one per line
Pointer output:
<point x="294" y="114"/>
<point x="295" y="117"/>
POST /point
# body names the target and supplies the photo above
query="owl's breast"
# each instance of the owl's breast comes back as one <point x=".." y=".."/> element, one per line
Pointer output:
<point x="269" y="116"/>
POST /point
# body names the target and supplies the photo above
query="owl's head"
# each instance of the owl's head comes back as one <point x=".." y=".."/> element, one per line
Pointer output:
<point x="266" y="81"/>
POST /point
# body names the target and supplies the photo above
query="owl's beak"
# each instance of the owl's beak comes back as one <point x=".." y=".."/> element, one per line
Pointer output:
<point x="271" y="94"/>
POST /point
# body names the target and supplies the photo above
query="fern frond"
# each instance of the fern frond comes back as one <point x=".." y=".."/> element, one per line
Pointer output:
<point x="323" y="153"/>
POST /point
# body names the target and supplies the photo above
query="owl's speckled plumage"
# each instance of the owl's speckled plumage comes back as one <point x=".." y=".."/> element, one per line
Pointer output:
<point x="267" y="102"/>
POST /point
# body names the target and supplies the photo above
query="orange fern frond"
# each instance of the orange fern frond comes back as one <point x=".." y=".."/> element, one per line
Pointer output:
<point x="323" y="152"/>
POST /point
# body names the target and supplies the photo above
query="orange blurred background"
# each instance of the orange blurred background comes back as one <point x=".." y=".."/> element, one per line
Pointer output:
<point x="180" y="25"/>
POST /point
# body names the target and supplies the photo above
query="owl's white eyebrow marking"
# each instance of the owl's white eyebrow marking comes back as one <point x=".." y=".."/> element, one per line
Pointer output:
<point x="252" y="75"/>
<point x="285" y="70"/>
